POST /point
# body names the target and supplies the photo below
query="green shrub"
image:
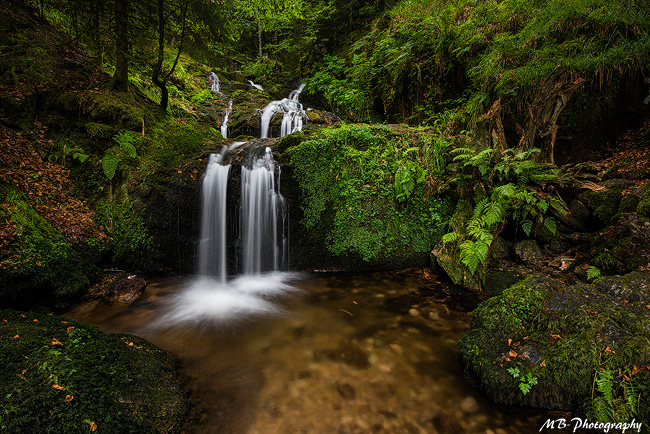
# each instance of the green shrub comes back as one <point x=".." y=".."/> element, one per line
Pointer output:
<point x="364" y="197"/>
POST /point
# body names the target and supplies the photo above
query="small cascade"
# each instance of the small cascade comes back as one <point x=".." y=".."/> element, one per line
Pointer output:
<point x="215" y="86"/>
<point x="256" y="86"/>
<point x="261" y="222"/>
<point x="212" y="244"/>
<point x="262" y="208"/>
<point x="262" y="219"/>
<point x="293" y="114"/>
<point x="224" y="124"/>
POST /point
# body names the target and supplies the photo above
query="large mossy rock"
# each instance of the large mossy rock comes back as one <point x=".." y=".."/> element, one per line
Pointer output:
<point x="62" y="376"/>
<point x="558" y="337"/>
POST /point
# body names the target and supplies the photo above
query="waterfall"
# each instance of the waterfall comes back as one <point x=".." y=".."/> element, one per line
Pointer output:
<point x="211" y="298"/>
<point x="214" y="82"/>
<point x="292" y="118"/>
<point x="262" y="222"/>
<point x="262" y="207"/>
<point x="256" y="86"/>
<point x="212" y="244"/>
<point x="224" y="124"/>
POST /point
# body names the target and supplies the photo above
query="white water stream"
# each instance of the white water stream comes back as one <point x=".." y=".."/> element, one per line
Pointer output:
<point x="212" y="297"/>
<point x="292" y="118"/>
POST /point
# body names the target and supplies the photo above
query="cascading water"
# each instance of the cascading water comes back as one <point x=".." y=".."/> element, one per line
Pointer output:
<point x="263" y="243"/>
<point x="224" y="124"/>
<point x="212" y="244"/>
<point x="256" y="86"/>
<point x="214" y="82"/>
<point x="262" y="207"/>
<point x="293" y="114"/>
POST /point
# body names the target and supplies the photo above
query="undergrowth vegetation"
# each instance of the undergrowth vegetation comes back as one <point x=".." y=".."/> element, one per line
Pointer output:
<point x="365" y="197"/>
<point x="425" y="57"/>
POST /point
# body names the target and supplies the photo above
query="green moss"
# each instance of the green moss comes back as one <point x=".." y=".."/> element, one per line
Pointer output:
<point x="171" y="142"/>
<point x="560" y="335"/>
<point x="130" y="242"/>
<point x="346" y="176"/>
<point x="62" y="376"/>
<point x="644" y="203"/>
<point x="42" y="266"/>
<point x="99" y="131"/>
<point x="617" y="257"/>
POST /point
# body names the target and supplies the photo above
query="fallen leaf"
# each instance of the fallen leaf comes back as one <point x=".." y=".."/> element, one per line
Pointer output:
<point x="543" y="363"/>
<point x="35" y="320"/>
<point x="609" y="350"/>
<point x="509" y="342"/>
<point x="16" y="337"/>
<point x="511" y="353"/>
<point x="69" y="329"/>
<point x="554" y="336"/>
<point x="65" y="322"/>
<point x="354" y="302"/>
<point x="345" y="311"/>
<point x="69" y="398"/>
<point x="55" y="341"/>
<point x="57" y="387"/>
<point x="93" y="426"/>
<point x="22" y="315"/>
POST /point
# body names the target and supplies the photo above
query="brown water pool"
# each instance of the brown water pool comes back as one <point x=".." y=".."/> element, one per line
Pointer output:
<point x="316" y="353"/>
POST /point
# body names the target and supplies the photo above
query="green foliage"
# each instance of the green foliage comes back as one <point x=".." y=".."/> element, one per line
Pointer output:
<point x="593" y="274"/>
<point x="130" y="242"/>
<point x="459" y="56"/>
<point x="500" y="188"/>
<point x="526" y="382"/>
<point x="331" y="78"/>
<point x="42" y="264"/>
<point x="364" y="198"/>
<point x="112" y="157"/>
<point x="109" y="165"/>
<point x="615" y="397"/>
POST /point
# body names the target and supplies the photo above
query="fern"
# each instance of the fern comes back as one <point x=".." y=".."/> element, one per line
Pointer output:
<point x="125" y="141"/>
<point x="593" y="274"/>
<point x="109" y="165"/>
<point x="550" y="225"/>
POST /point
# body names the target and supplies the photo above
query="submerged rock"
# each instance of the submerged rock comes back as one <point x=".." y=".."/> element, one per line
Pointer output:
<point x="555" y="337"/>
<point x="121" y="287"/>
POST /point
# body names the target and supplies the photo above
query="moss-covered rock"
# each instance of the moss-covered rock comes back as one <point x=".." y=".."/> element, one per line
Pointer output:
<point x="548" y="339"/>
<point x="643" y="207"/>
<point x="446" y="256"/>
<point x="63" y="376"/>
<point x="528" y="252"/>
<point x="341" y="189"/>
<point x="605" y="204"/>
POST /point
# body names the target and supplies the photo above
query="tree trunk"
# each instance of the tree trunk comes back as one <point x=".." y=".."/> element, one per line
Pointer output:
<point x="120" y="79"/>
<point x="259" y="36"/>
<point x="155" y="76"/>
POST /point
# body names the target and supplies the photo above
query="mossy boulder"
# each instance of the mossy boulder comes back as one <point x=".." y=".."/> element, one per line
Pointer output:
<point x="621" y="247"/>
<point x="63" y="376"/>
<point x="555" y="338"/>
<point x="643" y="207"/>
<point x="528" y="252"/>
<point x="605" y="204"/>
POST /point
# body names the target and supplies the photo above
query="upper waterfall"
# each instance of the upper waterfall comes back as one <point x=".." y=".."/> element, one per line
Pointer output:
<point x="215" y="86"/>
<point x="292" y="118"/>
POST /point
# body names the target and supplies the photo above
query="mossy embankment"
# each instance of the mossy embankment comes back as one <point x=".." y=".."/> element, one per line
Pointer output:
<point x="59" y="375"/>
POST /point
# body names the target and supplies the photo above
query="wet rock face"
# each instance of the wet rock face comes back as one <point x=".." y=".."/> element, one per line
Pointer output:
<point x="557" y="336"/>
